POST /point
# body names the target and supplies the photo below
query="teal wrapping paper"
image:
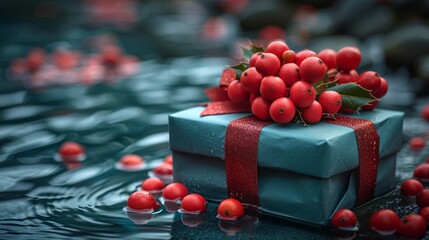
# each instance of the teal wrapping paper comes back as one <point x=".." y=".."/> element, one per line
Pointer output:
<point x="304" y="173"/>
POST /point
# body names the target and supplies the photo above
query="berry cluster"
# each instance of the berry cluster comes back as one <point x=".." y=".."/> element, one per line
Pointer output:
<point x="282" y="85"/>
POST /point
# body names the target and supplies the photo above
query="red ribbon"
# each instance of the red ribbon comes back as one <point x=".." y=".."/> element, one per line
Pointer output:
<point x="368" y="142"/>
<point x="241" y="158"/>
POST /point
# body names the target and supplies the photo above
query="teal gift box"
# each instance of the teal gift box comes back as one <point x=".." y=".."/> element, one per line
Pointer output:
<point x="305" y="173"/>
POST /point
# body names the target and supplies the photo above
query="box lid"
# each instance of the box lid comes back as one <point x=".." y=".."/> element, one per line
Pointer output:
<point x="321" y="150"/>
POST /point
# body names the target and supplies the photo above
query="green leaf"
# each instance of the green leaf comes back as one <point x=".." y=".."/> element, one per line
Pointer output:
<point x="247" y="53"/>
<point x="321" y="85"/>
<point x="255" y="48"/>
<point x="353" y="95"/>
<point x="241" y="66"/>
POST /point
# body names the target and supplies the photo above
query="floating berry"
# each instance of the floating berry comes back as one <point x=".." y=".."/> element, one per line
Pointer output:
<point x="230" y="209"/>
<point x="164" y="169"/>
<point x="344" y="219"/>
<point x="348" y="58"/>
<point x="370" y="80"/>
<point x="282" y="110"/>
<point x="71" y="151"/>
<point x="312" y="114"/>
<point x="111" y="55"/>
<point x="425" y="112"/>
<point x="330" y="101"/>
<point x="422" y="198"/>
<point x="277" y="48"/>
<point x="289" y="73"/>
<point x="382" y="90"/>
<point x="302" y="94"/>
<point x="152" y="184"/>
<point x="236" y="92"/>
<point x="175" y="191"/>
<point x="301" y="55"/>
<point x="312" y="69"/>
<point x="251" y="80"/>
<point x="347" y="77"/>
<point x="289" y="56"/>
<point x="411" y="187"/>
<point x="131" y="160"/>
<point x="193" y="204"/>
<point x="412" y="226"/>
<point x="35" y="59"/>
<point x="261" y="108"/>
<point x="253" y="59"/>
<point x="424" y="212"/>
<point x="267" y="64"/>
<point x="384" y="222"/>
<point x="421" y="172"/>
<point x="329" y="57"/>
<point x="272" y="88"/>
<point x="417" y="143"/>
<point x="168" y="159"/>
<point x="142" y="201"/>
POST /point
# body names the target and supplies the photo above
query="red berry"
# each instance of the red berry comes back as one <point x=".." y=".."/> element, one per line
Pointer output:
<point x="329" y="57"/>
<point x="370" y="106"/>
<point x="289" y="56"/>
<point x="175" y="191"/>
<point x="348" y="58"/>
<point x="301" y="55"/>
<point x="194" y="203"/>
<point x="251" y="80"/>
<point x="382" y="90"/>
<point x="111" y="55"/>
<point x="424" y="212"/>
<point x="261" y="108"/>
<point x="142" y="200"/>
<point x="169" y="159"/>
<point x="289" y="72"/>
<point x="267" y="64"/>
<point x="65" y="59"/>
<point x="330" y="101"/>
<point x="384" y="222"/>
<point x="282" y="110"/>
<point x="370" y="80"/>
<point x="69" y="149"/>
<point x="236" y="92"/>
<point x="347" y="77"/>
<point x="35" y="59"/>
<point x="411" y="187"/>
<point x="253" y="59"/>
<point x="302" y="94"/>
<point x="272" y="88"/>
<point x="230" y="208"/>
<point x="425" y="113"/>
<point x="422" y="171"/>
<point x="270" y="32"/>
<point x="277" y="48"/>
<point x="131" y="160"/>
<point x="417" y="143"/>
<point x="252" y="97"/>
<point x="412" y="226"/>
<point x="343" y="218"/>
<point x="347" y="110"/>
<point x="164" y="169"/>
<point x="313" y="113"/>
<point x="152" y="184"/>
<point x="312" y="69"/>
<point x="422" y="198"/>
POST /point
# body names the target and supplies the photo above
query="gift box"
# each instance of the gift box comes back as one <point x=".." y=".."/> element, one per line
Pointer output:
<point x="300" y="173"/>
